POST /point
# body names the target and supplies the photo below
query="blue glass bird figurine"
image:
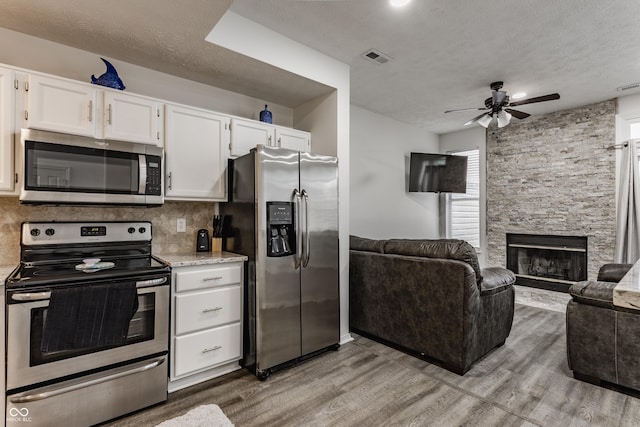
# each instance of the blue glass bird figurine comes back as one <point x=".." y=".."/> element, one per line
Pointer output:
<point x="109" y="79"/>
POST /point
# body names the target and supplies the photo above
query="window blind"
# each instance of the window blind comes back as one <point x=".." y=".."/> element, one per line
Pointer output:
<point x="463" y="210"/>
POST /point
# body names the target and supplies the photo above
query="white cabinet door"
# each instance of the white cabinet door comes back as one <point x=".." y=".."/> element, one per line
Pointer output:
<point x="132" y="118"/>
<point x="7" y="100"/>
<point x="246" y="134"/>
<point x="293" y="139"/>
<point x="196" y="153"/>
<point x="61" y="106"/>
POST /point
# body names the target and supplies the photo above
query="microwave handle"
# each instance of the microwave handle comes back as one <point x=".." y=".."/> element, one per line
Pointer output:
<point x="142" y="182"/>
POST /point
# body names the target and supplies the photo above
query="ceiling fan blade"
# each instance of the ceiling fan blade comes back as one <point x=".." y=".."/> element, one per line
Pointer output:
<point x="543" y="98"/>
<point x="475" y="119"/>
<point x="517" y="114"/>
<point x="467" y="109"/>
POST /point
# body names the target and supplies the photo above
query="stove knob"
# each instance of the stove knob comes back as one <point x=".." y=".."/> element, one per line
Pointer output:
<point x="49" y="231"/>
<point x="131" y="230"/>
<point x="35" y="232"/>
<point x="142" y="230"/>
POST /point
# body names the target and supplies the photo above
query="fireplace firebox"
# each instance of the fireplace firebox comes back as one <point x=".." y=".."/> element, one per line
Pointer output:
<point x="546" y="261"/>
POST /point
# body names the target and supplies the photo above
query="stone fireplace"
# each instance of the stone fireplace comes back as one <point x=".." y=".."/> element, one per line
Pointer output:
<point x="547" y="262"/>
<point x="554" y="175"/>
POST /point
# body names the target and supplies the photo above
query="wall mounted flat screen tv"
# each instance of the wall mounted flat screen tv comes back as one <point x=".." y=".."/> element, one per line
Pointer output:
<point x="437" y="173"/>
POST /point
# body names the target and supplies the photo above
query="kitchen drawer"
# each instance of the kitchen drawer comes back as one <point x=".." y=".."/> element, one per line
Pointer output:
<point x="201" y="278"/>
<point x="206" y="309"/>
<point x="205" y="349"/>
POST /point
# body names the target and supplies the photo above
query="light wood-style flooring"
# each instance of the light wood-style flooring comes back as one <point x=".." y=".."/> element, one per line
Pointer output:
<point x="526" y="382"/>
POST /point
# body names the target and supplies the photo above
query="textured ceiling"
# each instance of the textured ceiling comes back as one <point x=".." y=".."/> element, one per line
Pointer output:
<point x="445" y="52"/>
<point x="165" y="35"/>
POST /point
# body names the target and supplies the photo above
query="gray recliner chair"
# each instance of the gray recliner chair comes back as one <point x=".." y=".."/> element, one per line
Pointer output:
<point x="603" y="340"/>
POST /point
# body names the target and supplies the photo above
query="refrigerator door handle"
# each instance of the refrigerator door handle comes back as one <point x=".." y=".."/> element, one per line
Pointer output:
<point x="307" y="247"/>
<point x="297" y="199"/>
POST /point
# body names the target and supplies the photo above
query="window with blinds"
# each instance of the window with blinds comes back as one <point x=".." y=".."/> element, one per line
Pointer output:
<point x="463" y="210"/>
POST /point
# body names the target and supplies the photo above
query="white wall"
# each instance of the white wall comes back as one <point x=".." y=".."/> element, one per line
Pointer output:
<point x="32" y="53"/>
<point x="469" y="139"/>
<point x="381" y="207"/>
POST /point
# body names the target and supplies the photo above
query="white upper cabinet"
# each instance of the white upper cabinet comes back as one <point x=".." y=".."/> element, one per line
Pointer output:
<point x="132" y="118"/>
<point x="61" y="106"/>
<point x="246" y="134"/>
<point x="77" y="108"/>
<point x="293" y="139"/>
<point x="7" y="99"/>
<point x="196" y="153"/>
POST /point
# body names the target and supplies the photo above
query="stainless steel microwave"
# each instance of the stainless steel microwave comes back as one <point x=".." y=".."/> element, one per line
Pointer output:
<point x="68" y="169"/>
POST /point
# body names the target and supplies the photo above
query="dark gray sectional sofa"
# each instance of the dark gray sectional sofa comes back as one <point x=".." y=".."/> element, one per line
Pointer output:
<point x="603" y="340"/>
<point x="429" y="297"/>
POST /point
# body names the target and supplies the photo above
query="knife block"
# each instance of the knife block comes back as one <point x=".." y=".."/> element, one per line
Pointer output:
<point x="216" y="244"/>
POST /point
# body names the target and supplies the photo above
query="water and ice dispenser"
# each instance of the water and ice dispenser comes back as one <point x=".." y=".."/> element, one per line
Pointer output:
<point x="281" y="233"/>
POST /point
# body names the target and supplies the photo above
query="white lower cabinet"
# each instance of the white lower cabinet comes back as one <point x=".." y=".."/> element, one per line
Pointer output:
<point x="206" y="323"/>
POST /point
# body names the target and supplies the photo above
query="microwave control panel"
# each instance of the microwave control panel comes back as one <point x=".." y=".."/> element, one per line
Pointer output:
<point x="153" y="186"/>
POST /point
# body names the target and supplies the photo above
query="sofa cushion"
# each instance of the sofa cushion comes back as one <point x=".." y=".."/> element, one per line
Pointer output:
<point x="363" y="244"/>
<point x="496" y="279"/>
<point x="593" y="293"/>
<point x="442" y="248"/>
<point x="613" y="272"/>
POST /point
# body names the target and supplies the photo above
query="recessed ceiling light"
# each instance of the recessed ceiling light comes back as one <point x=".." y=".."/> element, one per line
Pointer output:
<point x="399" y="3"/>
<point x="518" y="95"/>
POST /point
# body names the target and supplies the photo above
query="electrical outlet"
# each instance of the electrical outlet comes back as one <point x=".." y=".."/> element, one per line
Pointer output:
<point x="181" y="225"/>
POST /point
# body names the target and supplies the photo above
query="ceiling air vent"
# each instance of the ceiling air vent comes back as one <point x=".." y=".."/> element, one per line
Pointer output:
<point x="628" y="87"/>
<point x="376" y="56"/>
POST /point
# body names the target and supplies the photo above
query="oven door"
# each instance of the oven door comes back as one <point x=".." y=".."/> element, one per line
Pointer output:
<point x="62" y="168"/>
<point x="28" y="364"/>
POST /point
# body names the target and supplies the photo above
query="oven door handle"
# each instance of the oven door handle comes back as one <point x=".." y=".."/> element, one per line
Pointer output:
<point x="151" y="282"/>
<point x="31" y="296"/>
<point x="142" y="367"/>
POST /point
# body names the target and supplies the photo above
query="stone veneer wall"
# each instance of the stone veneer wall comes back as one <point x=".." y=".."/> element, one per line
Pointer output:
<point x="553" y="174"/>
<point x="165" y="238"/>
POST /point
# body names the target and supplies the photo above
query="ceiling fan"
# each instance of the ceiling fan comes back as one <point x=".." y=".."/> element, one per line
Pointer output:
<point x="499" y="105"/>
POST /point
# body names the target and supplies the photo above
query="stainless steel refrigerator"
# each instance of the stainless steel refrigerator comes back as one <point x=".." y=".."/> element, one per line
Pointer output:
<point x="283" y="207"/>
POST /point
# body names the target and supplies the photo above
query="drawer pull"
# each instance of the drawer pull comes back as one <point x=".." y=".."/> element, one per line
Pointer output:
<point x="209" y="350"/>
<point x="209" y="279"/>
<point x="209" y="310"/>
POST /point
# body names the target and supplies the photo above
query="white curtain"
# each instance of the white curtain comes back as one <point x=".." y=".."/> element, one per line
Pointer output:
<point x="628" y="221"/>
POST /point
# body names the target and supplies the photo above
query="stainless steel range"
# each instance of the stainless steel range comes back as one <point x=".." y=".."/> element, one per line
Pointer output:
<point x="87" y="324"/>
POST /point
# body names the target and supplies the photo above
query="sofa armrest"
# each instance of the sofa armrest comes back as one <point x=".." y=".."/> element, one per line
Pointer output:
<point x="496" y="279"/>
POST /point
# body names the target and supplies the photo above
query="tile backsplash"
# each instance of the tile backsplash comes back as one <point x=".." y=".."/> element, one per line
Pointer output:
<point x="165" y="237"/>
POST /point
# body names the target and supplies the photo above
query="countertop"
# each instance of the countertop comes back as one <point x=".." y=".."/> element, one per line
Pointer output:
<point x="627" y="291"/>
<point x="200" y="258"/>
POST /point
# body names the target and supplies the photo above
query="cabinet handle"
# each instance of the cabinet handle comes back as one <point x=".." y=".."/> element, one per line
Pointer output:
<point x="209" y="279"/>
<point x="169" y="181"/>
<point x="109" y="114"/>
<point x="279" y="142"/>
<point x="209" y="350"/>
<point x="209" y="310"/>
<point x="90" y="111"/>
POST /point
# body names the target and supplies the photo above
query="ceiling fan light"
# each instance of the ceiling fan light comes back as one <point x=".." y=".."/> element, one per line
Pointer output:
<point x="484" y="121"/>
<point x="399" y="3"/>
<point x="504" y="119"/>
